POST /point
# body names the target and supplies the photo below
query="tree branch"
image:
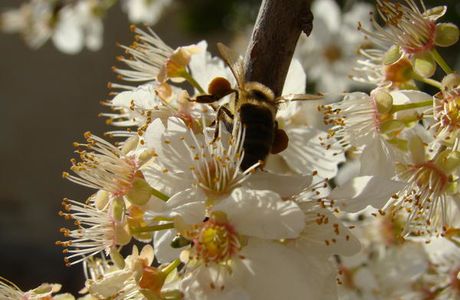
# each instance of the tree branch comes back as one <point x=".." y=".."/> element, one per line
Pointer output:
<point x="274" y="38"/>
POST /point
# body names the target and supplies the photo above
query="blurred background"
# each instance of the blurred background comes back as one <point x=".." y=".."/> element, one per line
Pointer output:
<point x="48" y="99"/>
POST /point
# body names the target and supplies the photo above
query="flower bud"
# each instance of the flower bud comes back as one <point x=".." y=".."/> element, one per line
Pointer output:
<point x="446" y="34"/>
<point x="450" y="81"/>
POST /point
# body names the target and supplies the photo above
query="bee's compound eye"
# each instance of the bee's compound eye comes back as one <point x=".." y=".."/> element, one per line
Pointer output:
<point x="280" y="141"/>
<point x="220" y="87"/>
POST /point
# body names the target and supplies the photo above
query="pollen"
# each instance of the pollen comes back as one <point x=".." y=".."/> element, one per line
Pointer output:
<point x="215" y="240"/>
<point x="351" y="119"/>
<point x="425" y="196"/>
<point x="216" y="163"/>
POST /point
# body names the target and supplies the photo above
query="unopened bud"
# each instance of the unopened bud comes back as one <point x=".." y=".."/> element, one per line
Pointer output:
<point x="450" y="81"/>
<point x="446" y="34"/>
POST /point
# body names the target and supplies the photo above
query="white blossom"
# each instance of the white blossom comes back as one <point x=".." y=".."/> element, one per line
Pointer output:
<point x="329" y="53"/>
<point x="300" y="120"/>
<point x="145" y="11"/>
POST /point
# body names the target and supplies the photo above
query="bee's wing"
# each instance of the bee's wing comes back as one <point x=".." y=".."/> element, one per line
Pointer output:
<point x="298" y="97"/>
<point x="234" y="62"/>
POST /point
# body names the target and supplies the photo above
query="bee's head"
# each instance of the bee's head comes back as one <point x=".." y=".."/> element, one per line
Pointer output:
<point x="260" y="92"/>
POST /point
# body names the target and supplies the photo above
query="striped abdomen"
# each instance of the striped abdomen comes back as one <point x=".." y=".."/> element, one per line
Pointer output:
<point x="260" y="126"/>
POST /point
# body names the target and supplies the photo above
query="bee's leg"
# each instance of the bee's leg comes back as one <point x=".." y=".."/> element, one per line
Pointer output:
<point x="211" y="98"/>
<point x="215" y="92"/>
<point x="224" y="114"/>
<point x="204" y="99"/>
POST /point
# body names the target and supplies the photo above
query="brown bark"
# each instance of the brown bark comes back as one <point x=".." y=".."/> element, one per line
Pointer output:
<point x="274" y="38"/>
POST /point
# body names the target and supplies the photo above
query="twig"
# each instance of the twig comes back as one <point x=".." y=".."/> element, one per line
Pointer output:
<point x="277" y="29"/>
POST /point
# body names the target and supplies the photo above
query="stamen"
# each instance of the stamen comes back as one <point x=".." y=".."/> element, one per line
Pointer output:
<point x="105" y="167"/>
<point x="145" y="57"/>
<point x="214" y="241"/>
<point x="216" y="166"/>
<point x="406" y="26"/>
<point x="424" y="197"/>
<point x="96" y="231"/>
<point x="352" y="118"/>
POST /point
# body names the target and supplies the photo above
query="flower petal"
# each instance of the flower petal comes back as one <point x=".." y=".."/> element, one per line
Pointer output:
<point x="296" y="79"/>
<point x="325" y="238"/>
<point x="362" y="191"/>
<point x="284" y="185"/>
<point x="262" y="214"/>
<point x="189" y="205"/>
<point x="68" y="35"/>
<point x="110" y="286"/>
<point x="377" y="159"/>
<point x="305" y="153"/>
<point x="213" y="282"/>
<point x="289" y="276"/>
<point x="205" y="67"/>
<point x="164" y="253"/>
<point x="170" y="142"/>
<point x="329" y="12"/>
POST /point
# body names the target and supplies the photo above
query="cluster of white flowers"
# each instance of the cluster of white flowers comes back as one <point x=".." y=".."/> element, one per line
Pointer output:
<point x="73" y="25"/>
<point x="400" y="185"/>
<point x="219" y="231"/>
<point x="214" y="228"/>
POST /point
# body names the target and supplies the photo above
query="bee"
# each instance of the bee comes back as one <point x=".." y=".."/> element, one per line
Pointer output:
<point x="256" y="106"/>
